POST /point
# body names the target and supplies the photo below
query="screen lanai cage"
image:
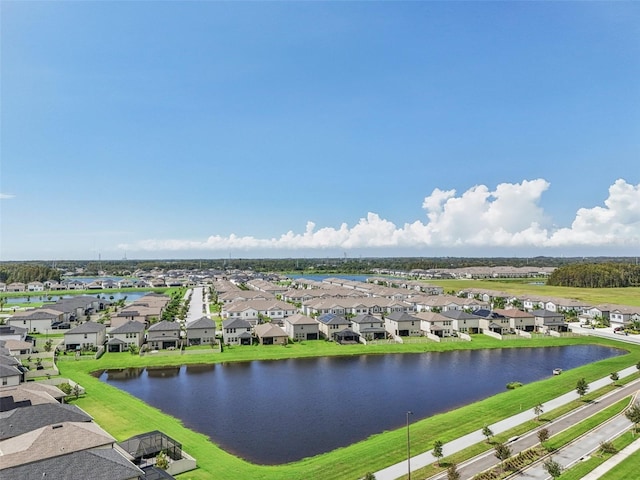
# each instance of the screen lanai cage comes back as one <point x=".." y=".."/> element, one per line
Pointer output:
<point x="148" y="445"/>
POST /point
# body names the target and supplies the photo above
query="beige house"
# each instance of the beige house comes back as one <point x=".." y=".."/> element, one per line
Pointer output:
<point x="300" y="327"/>
<point x="36" y="321"/>
<point x="270" y="334"/>
<point x="87" y="336"/>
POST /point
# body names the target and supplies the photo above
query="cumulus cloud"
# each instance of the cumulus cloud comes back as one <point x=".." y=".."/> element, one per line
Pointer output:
<point x="508" y="216"/>
<point x="617" y="223"/>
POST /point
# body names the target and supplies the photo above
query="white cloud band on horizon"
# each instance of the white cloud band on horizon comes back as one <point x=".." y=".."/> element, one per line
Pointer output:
<point x="6" y="196"/>
<point x="509" y="216"/>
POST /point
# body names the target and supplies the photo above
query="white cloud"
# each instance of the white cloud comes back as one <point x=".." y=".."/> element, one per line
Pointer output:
<point x="509" y="216"/>
<point x="617" y="223"/>
<point x="6" y="196"/>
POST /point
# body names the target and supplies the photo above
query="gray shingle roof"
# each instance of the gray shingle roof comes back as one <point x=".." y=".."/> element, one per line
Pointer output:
<point x="101" y="464"/>
<point x="203" y="322"/>
<point x="235" y="323"/>
<point x="88" y="327"/>
<point x="130" y="327"/>
<point x="23" y="420"/>
<point x="164" y="325"/>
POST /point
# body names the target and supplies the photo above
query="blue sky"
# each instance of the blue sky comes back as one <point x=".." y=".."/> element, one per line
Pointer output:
<point x="315" y="129"/>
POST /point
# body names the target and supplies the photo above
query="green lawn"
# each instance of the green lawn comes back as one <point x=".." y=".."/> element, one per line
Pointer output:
<point x="123" y="415"/>
<point x="625" y="470"/>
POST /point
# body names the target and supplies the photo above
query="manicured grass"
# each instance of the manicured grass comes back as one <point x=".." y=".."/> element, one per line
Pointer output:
<point x="625" y="470"/>
<point x="594" y="296"/>
<point x="123" y="415"/>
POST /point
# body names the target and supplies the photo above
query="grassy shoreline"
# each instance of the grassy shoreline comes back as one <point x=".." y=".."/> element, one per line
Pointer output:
<point x="123" y="415"/>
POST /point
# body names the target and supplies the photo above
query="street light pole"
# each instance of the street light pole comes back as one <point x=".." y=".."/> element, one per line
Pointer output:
<point x="408" y="446"/>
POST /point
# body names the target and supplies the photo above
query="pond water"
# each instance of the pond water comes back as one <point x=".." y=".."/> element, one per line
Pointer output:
<point x="38" y="297"/>
<point x="272" y="412"/>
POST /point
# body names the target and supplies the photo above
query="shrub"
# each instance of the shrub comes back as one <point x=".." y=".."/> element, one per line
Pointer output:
<point x="513" y="385"/>
<point x="66" y="388"/>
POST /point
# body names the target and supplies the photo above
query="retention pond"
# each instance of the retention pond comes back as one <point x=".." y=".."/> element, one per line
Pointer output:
<point x="272" y="412"/>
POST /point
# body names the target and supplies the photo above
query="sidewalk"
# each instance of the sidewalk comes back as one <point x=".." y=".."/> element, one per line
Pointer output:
<point x="613" y="461"/>
<point x="422" y="460"/>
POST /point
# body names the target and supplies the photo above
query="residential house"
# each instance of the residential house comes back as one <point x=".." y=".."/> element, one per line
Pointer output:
<point x="402" y="324"/>
<point x="12" y="332"/>
<point x="492" y="321"/>
<point x="125" y="283"/>
<point x="256" y="311"/>
<point x="369" y="327"/>
<point x="236" y="331"/>
<point x="465" y="322"/>
<point x="36" y="321"/>
<point x="30" y="393"/>
<point x="87" y="336"/>
<point x="329" y="324"/>
<point x="270" y="334"/>
<point x="301" y="327"/>
<point x="623" y="316"/>
<point x="435" y="324"/>
<point x="28" y="418"/>
<point x="121" y="338"/>
<point x="201" y="331"/>
<point x="546" y="321"/>
<point x="51" y="441"/>
<point x="35" y="287"/>
<point x="10" y="376"/>
<point x="16" y="287"/>
<point x="164" y="335"/>
<point x="518" y="320"/>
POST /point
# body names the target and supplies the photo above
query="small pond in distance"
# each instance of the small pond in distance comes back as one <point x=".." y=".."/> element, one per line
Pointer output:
<point x="273" y="412"/>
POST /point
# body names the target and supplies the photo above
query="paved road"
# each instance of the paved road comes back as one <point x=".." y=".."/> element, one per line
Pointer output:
<point x="196" y="305"/>
<point x="580" y="449"/>
<point x="486" y="461"/>
<point x="604" y="332"/>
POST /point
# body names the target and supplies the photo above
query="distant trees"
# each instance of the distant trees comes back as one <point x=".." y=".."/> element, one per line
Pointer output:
<point x="27" y="272"/>
<point x="596" y="275"/>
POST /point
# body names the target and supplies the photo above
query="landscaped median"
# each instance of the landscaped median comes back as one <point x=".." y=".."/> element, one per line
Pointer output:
<point x="123" y="415"/>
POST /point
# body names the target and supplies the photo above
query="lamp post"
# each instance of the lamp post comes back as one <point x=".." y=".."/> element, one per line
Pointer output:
<point x="408" y="446"/>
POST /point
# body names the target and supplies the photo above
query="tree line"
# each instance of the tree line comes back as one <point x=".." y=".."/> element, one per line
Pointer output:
<point x="360" y="265"/>
<point x="596" y="275"/>
<point x="27" y="272"/>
